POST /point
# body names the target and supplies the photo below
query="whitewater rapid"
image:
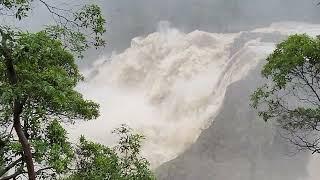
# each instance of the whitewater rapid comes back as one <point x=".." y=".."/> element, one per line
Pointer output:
<point x="169" y="85"/>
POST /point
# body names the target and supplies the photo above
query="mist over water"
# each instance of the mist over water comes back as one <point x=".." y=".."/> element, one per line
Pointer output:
<point x="128" y="19"/>
<point x="169" y="81"/>
<point x="169" y="85"/>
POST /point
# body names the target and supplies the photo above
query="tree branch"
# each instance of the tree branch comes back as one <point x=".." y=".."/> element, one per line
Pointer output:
<point x="50" y="9"/>
<point x="12" y="176"/>
<point x="10" y="166"/>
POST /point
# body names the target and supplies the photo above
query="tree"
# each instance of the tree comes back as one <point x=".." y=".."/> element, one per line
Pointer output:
<point x="291" y="96"/>
<point x="38" y="76"/>
<point x="123" y="162"/>
<point x="37" y="83"/>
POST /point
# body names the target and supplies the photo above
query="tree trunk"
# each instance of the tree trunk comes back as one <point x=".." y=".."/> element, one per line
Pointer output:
<point x="23" y="140"/>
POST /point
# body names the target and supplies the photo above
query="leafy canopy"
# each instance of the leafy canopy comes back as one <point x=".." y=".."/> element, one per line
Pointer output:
<point x="38" y="75"/>
<point x="291" y="95"/>
<point x="122" y="162"/>
<point x="47" y="76"/>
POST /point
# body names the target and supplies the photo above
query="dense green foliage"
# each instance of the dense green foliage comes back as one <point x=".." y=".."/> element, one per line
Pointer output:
<point x="38" y="76"/>
<point x="46" y="77"/>
<point x="123" y="162"/>
<point x="291" y="94"/>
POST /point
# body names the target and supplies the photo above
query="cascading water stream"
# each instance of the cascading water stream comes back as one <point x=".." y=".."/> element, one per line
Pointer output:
<point x="170" y="85"/>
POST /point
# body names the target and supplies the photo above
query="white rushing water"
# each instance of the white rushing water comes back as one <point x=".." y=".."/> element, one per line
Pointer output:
<point x="170" y="85"/>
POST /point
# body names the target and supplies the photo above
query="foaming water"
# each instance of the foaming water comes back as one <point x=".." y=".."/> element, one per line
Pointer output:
<point x="170" y="85"/>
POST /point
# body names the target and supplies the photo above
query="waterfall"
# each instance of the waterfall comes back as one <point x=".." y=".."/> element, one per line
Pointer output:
<point x="169" y="85"/>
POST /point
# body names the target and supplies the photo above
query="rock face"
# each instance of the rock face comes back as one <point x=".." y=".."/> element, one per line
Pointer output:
<point x="238" y="145"/>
